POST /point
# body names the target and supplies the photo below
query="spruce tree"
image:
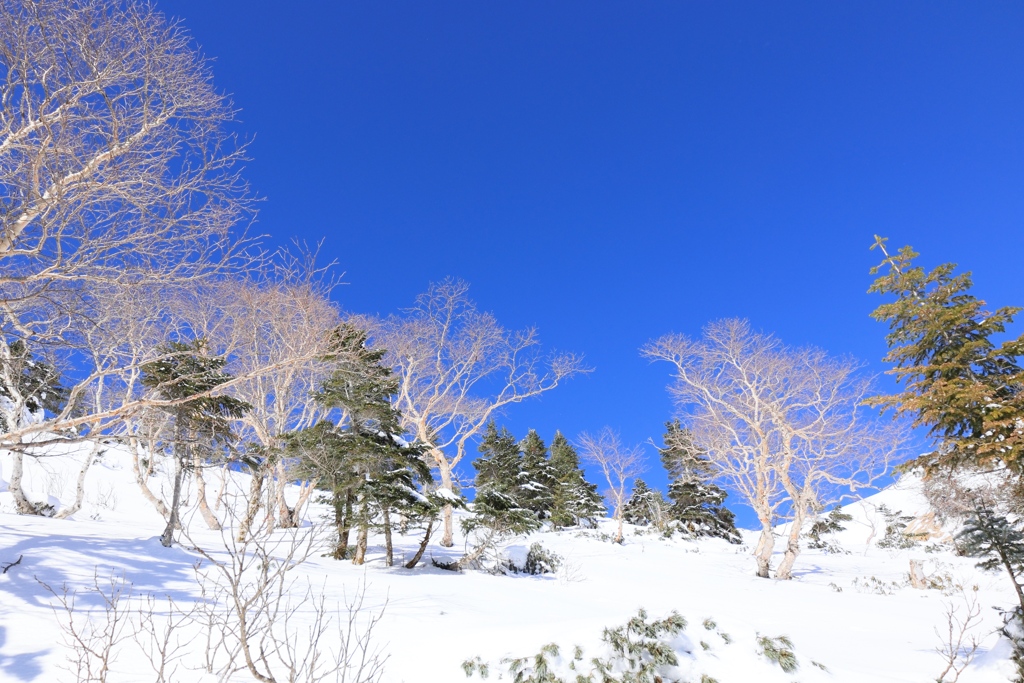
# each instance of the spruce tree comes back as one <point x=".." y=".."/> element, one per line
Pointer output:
<point x="537" y="479"/>
<point x="697" y="505"/>
<point x="201" y="424"/>
<point x="645" y="507"/>
<point x="575" y="500"/>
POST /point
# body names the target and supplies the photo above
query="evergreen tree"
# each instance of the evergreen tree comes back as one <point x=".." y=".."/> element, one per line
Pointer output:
<point x="495" y="516"/>
<point x="967" y="391"/>
<point x="27" y="384"/>
<point x="201" y="424"/>
<point x="826" y="526"/>
<point x="537" y="479"/>
<point x="997" y="540"/>
<point x="645" y="506"/>
<point x="575" y="500"/>
<point x="371" y="470"/>
<point x="697" y="505"/>
<point x="499" y="467"/>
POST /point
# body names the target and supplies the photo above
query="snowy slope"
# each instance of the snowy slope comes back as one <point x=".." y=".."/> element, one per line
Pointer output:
<point x="853" y="612"/>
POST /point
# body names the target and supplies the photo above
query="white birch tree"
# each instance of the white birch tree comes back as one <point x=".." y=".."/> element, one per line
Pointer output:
<point x="619" y="464"/>
<point x="784" y="427"/>
<point x="457" y="369"/>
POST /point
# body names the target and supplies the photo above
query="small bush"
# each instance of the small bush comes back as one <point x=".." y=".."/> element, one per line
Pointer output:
<point x="779" y="650"/>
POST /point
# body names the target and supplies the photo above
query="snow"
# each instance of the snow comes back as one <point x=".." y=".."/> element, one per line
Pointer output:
<point x="434" y="620"/>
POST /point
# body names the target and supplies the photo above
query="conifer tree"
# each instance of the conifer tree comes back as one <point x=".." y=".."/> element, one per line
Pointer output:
<point x="537" y="479"/>
<point x="696" y="503"/>
<point x="958" y="383"/>
<point x="575" y="500"/>
<point x="830" y="524"/>
<point x="370" y="468"/>
<point x="201" y="424"/>
<point x="499" y="467"/>
<point x="997" y="540"/>
<point x="645" y="507"/>
<point x="27" y="384"/>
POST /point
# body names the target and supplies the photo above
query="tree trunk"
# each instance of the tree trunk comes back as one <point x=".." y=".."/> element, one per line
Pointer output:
<point x="286" y="517"/>
<point x="917" y="577"/>
<point x="252" y="507"/>
<point x="361" y="541"/>
<point x="304" y="495"/>
<point x="223" y="486"/>
<point x="388" y="550"/>
<point x="79" y="487"/>
<point x="447" y="537"/>
<point x="167" y="538"/>
<point x="765" y="546"/>
<point x="342" y="519"/>
<point x="785" y="570"/>
<point x="423" y="547"/>
<point x="204" y="507"/>
<point x="471" y="557"/>
<point x="21" y="502"/>
<point x="142" y="477"/>
<point x="618" y="533"/>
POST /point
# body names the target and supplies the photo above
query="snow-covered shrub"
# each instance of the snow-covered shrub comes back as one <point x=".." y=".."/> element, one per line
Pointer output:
<point x="873" y="584"/>
<point x="821" y="532"/>
<point x="895" y="524"/>
<point x="640" y="651"/>
<point x="779" y="650"/>
<point x="539" y="560"/>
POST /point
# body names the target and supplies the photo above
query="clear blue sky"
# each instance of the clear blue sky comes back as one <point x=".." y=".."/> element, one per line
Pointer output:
<point x="612" y="171"/>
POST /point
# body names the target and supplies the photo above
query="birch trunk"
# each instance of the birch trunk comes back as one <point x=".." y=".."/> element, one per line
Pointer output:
<point x="79" y="487"/>
<point x="447" y="537"/>
<point x="141" y="478"/>
<point x="765" y="547"/>
<point x="204" y="507"/>
<point x="21" y="502"/>
<point x="252" y="507"/>
<point x="785" y="570"/>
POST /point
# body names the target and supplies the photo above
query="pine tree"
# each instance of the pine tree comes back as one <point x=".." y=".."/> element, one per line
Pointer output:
<point x="697" y="505"/>
<point x="967" y="391"/>
<point x="537" y="479"/>
<point x="645" y="507"/>
<point x="575" y="500"/>
<point x="201" y="424"/>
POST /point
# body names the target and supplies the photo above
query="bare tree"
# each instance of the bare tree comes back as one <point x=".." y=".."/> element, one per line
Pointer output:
<point x="117" y="172"/>
<point x="784" y="427"/>
<point x="276" y="332"/>
<point x="93" y="643"/>
<point x="619" y="464"/>
<point x="457" y="368"/>
<point x="958" y="645"/>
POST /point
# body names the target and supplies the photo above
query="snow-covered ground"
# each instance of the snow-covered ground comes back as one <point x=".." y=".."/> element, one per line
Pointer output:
<point x="852" y="612"/>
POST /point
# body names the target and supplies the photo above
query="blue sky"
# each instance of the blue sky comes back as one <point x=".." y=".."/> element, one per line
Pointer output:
<point x="612" y="171"/>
